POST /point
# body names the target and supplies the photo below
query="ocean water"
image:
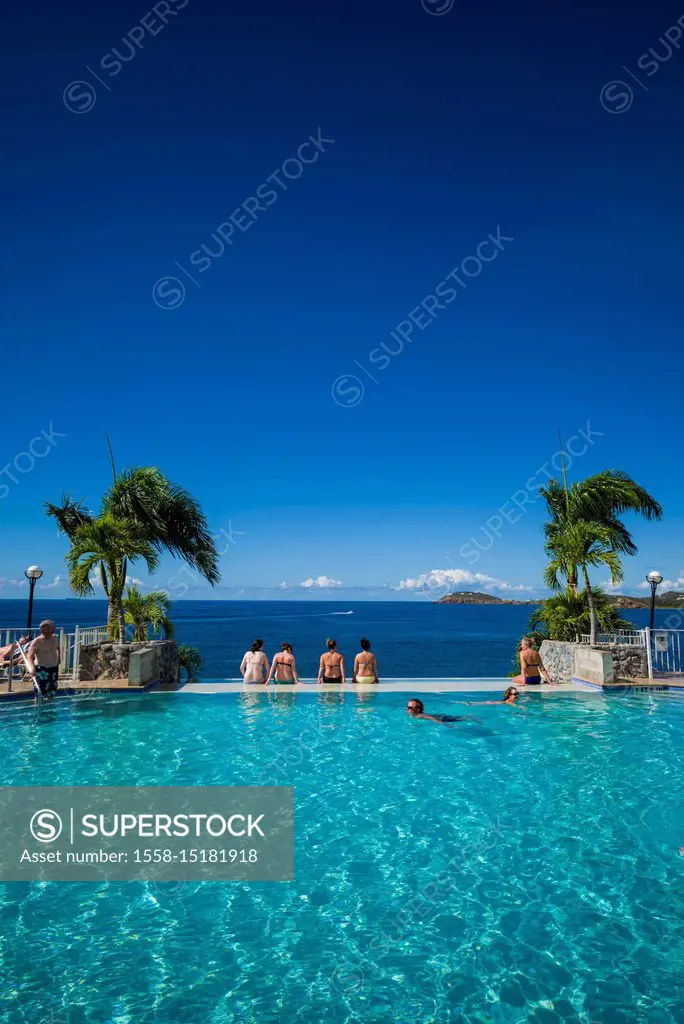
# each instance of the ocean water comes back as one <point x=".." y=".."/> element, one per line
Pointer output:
<point x="411" y="639"/>
<point x="523" y="867"/>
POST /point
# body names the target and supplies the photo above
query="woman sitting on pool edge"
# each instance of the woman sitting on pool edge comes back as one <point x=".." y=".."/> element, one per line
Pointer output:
<point x="531" y="665"/>
<point x="365" y="665"/>
<point x="331" y="668"/>
<point x="284" y="666"/>
<point x="255" y="667"/>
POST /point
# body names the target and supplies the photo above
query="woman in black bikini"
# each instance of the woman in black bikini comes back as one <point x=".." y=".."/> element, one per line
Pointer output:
<point x="331" y="669"/>
<point x="531" y="665"/>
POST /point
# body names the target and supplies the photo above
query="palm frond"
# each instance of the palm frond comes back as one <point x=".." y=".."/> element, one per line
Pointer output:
<point x="168" y="515"/>
<point x="190" y="659"/>
<point x="70" y="515"/>
<point x="612" y="492"/>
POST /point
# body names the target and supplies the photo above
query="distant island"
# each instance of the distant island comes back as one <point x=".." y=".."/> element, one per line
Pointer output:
<point x="671" y="599"/>
<point x="473" y="597"/>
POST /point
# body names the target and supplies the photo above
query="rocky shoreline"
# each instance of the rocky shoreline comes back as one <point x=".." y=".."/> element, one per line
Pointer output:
<point x="671" y="599"/>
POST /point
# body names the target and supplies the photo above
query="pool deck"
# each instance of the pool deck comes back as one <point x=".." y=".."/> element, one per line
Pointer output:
<point x="452" y="685"/>
<point x="23" y="689"/>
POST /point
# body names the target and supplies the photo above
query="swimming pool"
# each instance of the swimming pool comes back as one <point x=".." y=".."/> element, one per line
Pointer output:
<point x="523" y="867"/>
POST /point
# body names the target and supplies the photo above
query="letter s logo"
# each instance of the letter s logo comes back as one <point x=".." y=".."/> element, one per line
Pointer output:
<point x="46" y="826"/>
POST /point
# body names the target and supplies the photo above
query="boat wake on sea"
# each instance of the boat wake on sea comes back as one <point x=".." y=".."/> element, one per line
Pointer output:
<point x="350" y="612"/>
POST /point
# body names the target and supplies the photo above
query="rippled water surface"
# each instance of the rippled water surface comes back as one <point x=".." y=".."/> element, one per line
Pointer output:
<point x="520" y="867"/>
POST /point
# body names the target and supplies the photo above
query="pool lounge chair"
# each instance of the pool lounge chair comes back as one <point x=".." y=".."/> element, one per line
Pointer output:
<point x="13" y="665"/>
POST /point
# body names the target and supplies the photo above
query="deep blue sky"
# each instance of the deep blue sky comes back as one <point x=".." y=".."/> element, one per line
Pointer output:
<point x="446" y="128"/>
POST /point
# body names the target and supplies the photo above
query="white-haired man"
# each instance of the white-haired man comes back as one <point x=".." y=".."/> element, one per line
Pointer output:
<point x="43" y="657"/>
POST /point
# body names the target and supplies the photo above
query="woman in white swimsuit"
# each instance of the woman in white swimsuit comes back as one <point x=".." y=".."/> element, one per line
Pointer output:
<point x="254" y="667"/>
<point x="284" y="666"/>
<point x="365" y="665"/>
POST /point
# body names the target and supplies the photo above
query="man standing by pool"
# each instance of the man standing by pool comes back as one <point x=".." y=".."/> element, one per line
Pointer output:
<point x="43" y="658"/>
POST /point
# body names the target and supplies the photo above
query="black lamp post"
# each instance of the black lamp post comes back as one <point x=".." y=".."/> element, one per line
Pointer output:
<point x="32" y="574"/>
<point x="655" y="579"/>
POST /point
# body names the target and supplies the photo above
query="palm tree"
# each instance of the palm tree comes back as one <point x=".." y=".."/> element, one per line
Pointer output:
<point x="144" y="610"/>
<point x="602" y="499"/>
<point x="566" y="615"/>
<point x="190" y="660"/>
<point x="581" y="544"/>
<point x="160" y="513"/>
<point x="106" y="545"/>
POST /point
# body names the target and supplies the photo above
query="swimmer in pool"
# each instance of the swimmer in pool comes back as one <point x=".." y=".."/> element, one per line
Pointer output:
<point x="511" y="696"/>
<point x="415" y="709"/>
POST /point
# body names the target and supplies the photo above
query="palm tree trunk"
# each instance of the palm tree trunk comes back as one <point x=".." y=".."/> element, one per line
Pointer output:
<point x="572" y="580"/>
<point x="592" y="609"/>
<point x="111" y="613"/>
<point x="116" y="588"/>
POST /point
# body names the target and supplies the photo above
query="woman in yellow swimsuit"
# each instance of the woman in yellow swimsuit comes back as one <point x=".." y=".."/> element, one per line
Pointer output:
<point x="365" y="665"/>
<point x="331" y="668"/>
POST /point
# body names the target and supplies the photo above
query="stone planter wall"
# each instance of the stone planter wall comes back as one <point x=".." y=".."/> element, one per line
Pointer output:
<point x="628" y="661"/>
<point x="110" y="660"/>
<point x="560" y="660"/>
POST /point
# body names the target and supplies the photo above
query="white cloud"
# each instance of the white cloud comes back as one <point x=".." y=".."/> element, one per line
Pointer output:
<point x="321" y="583"/>
<point x="133" y="581"/>
<point x="453" y="579"/>
<point x="283" y="586"/>
<point x="4" y="582"/>
<point x="57" y="582"/>
<point x="677" y="584"/>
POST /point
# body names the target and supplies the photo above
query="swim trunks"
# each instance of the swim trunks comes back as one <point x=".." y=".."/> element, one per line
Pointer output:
<point x="46" y="679"/>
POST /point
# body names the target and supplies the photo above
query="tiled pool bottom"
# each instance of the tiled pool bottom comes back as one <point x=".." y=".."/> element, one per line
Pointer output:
<point x="520" y="867"/>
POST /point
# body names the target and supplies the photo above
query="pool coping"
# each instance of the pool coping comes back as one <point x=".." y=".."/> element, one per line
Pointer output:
<point x="438" y="685"/>
<point x="490" y="684"/>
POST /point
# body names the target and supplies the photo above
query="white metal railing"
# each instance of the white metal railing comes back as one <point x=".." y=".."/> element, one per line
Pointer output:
<point x="664" y="651"/>
<point x="73" y="642"/>
<point x="92" y="634"/>
<point x="623" y="636"/>
<point x="13" y="667"/>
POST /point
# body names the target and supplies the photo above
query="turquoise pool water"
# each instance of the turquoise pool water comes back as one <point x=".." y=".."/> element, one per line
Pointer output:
<point x="520" y="868"/>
